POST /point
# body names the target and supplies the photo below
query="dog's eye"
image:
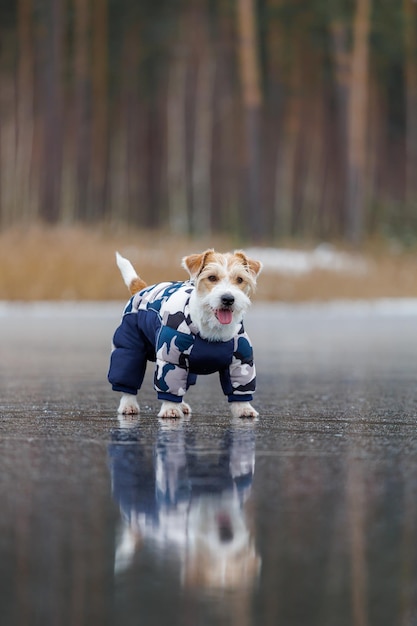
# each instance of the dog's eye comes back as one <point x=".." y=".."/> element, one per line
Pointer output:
<point x="212" y="278"/>
<point x="239" y="280"/>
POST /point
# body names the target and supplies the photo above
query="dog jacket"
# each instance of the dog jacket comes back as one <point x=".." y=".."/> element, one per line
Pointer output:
<point x="156" y="326"/>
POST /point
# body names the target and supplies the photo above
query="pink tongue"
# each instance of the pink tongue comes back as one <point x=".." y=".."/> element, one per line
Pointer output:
<point x="224" y="316"/>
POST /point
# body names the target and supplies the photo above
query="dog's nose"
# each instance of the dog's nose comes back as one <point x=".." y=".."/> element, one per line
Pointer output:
<point x="228" y="299"/>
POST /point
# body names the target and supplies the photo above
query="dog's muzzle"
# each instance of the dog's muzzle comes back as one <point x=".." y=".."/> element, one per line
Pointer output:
<point x="225" y="313"/>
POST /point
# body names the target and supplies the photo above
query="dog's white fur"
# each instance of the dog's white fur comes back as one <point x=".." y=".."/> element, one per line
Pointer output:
<point x="218" y="278"/>
<point x="127" y="270"/>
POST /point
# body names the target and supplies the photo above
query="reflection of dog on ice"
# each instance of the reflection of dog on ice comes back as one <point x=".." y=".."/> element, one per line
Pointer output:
<point x="192" y="502"/>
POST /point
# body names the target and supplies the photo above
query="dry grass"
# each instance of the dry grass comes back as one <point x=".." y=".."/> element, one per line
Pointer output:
<point x="75" y="263"/>
<point x="79" y="263"/>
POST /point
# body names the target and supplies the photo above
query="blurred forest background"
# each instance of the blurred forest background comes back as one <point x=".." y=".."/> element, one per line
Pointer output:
<point x="265" y="119"/>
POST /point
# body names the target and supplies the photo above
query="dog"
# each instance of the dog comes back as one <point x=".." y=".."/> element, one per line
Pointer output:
<point x="188" y="328"/>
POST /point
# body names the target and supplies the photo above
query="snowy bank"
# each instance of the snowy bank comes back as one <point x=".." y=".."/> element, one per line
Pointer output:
<point x="324" y="257"/>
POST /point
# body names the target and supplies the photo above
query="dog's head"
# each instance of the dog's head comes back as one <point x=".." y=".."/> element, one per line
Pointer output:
<point x="220" y="543"/>
<point x="224" y="284"/>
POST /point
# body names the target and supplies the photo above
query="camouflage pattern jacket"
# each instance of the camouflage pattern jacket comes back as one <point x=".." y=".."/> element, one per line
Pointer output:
<point x="156" y="326"/>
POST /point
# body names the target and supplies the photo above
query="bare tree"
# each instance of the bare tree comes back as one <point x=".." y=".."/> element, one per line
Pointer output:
<point x="287" y="159"/>
<point x="201" y="221"/>
<point x="339" y="41"/>
<point x="24" y="200"/>
<point x="176" y="138"/>
<point x="357" y="122"/>
<point x="100" y="122"/>
<point x="410" y="15"/>
<point x="82" y="77"/>
<point x="252" y="101"/>
<point x="50" y="41"/>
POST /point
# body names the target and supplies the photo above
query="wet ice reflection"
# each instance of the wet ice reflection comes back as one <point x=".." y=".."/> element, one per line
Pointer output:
<point x="189" y="499"/>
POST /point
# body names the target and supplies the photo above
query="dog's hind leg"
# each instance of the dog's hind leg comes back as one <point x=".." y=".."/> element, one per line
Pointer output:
<point x="128" y="405"/>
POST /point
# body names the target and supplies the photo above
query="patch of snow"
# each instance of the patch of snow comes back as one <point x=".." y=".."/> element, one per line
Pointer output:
<point x="324" y="257"/>
<point x="378" y="308"/>
<point x="62" y="309"/>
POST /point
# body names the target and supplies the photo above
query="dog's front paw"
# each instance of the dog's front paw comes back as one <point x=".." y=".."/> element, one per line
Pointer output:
<point x="174" y="410"/>
<point x="185" y="408"/>
<point x="128" y="405"/>
<point x="243" y="409"/>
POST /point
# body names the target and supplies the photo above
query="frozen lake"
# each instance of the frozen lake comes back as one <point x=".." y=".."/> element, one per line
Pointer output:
<point x="307" y="517"/>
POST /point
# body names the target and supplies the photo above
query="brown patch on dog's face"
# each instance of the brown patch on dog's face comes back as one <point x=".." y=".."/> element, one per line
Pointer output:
<point x="212" y="272"/>
<point x="195" y="262"/>
<point x="253" y="266"/>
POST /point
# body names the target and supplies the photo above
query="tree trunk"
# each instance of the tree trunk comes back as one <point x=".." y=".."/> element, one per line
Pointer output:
<point x="287" y="161"/>
<point x="311" y="222"/>
<point x="100" y="129"/>
<point x="410" y="14"/>
<point x="176" y="155"/>
<point x="133" y="119"/>
<point x="357" y="129"/>
<point x="50" y="41"/>
<point x="7" y="144"/>
<point x="82" y="127"/>
<point x="225" y="172"/>
<point x="201" y="167"/>
<point x="251" y="95"/>
<point x="341" y="63"/>
<point x="24" y="200"/>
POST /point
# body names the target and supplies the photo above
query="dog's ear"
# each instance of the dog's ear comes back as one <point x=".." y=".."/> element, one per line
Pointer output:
<point x="252" y="265"/>
<point x="194" y="263"/>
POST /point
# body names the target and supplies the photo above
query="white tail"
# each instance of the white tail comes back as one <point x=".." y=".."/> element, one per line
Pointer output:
<point x="132" y="280"/>
<point x="127" y="270"/>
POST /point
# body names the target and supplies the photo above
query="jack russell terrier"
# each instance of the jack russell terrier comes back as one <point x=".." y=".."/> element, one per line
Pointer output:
<point x="187" y="328"/>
